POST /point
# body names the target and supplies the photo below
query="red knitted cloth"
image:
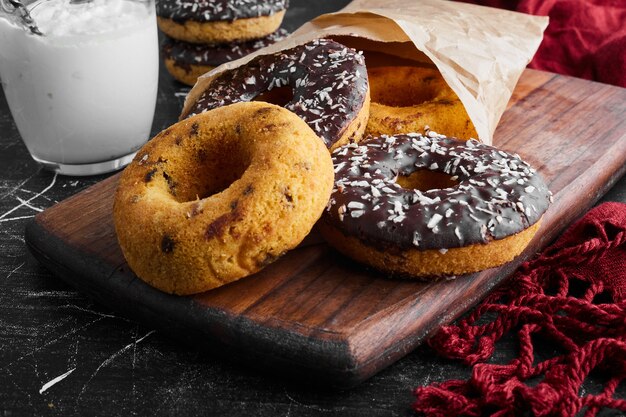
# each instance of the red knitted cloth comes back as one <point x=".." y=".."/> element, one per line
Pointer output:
<point x="574" y="296"/>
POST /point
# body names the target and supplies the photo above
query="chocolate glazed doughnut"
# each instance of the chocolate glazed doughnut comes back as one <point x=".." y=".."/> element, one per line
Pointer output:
<point x="327" y="79"/>
<point x="218" y="10"/>
<point x="219" y="21"/>
<point x="479" y="208"/>
<point x="187" y="61"/>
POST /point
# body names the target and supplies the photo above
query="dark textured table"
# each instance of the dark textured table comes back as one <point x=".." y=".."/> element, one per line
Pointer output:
<point x="118" y="367"/>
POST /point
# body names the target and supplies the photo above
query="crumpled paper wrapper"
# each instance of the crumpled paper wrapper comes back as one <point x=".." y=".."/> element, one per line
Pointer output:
<point x="480" y="51"/>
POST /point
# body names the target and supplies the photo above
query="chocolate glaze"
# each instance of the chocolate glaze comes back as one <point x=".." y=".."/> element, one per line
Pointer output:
<point x="217" y="10"/>
<point x="497" y="194"/>
<point x="328" y="79"/>
<point x="185" y="54"/>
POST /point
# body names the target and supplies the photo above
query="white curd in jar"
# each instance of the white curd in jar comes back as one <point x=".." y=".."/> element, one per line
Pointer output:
<point x="85" y="92"/>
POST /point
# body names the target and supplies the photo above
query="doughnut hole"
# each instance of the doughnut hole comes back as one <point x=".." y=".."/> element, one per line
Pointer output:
<point x="279" y="96"/>
<point x="425" y="180"/>
<point x="206" y="167"/>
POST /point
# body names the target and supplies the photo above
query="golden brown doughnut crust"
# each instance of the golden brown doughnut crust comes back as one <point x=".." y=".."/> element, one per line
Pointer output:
<point x="220" y="195"/>
<point x="432" y="263"/>
<point x="221" y="31"/>
<point x="186" y="75"/>
<point x="407" y="99"/>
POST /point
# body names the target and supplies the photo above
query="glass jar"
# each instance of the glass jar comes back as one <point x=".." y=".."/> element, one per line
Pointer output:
<point x="82" y="95"/>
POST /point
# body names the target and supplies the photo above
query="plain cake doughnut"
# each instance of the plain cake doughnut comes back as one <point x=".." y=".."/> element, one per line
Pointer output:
<point x="218" y="196"/>
<point x="412" y="99"/>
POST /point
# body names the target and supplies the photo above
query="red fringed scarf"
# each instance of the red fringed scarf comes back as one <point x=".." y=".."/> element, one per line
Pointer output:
<point x="541" y="300"/>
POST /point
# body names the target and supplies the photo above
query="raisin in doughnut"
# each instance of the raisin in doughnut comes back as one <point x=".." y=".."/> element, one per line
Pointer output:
<point x="325" y="83"/>
<point x="478" y="208"/>
<point x="410" y="99"/>
<point x="218" y="196"/>
<point x="219" y="21"/>
<point x="187" y="61"/>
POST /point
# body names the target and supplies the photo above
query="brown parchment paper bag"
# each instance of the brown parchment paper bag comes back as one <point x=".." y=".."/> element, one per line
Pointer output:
<point x="480" y="51"/>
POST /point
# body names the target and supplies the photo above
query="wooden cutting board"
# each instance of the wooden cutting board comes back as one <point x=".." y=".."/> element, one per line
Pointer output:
<point x="315" y="314"/>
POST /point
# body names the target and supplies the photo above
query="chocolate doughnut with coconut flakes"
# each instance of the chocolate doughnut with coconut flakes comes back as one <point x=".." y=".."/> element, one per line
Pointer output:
<point x="218" y="10"/>
<point x="325" y="83"/>
<point x="187" y="61"/>
<point x="219" y="21"/>
<point x="427" y="206"/>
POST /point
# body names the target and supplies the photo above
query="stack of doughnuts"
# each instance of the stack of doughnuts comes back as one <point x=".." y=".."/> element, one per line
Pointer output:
<point x="204" y="34"/>
<point x="272" y="147"/>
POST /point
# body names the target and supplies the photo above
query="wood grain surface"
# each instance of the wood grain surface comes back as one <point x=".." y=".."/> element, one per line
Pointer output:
<point x="315" y="314"/>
